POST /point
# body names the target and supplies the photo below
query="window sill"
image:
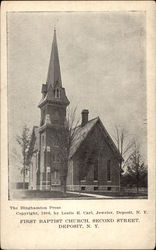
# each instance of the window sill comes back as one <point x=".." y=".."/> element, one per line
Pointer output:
<point x="57" y="184"/>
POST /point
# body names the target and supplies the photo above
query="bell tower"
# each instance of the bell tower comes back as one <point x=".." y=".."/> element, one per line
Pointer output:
<point x="53" y="115"/>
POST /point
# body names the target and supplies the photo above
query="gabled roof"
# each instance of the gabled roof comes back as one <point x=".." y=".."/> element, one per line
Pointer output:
<point x="110" y="141"/>
<point x="82" y="132"/>
<point x="80" y="135"/>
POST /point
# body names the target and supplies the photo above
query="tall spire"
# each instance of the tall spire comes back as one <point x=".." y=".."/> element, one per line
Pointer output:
<point x="54" y="73"/>
<point x="53" y="91"/>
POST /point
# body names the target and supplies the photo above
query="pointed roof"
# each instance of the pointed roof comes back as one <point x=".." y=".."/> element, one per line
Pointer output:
<point x="54" y="79"/>
<point x="54" y="73"/>
<point x="81" y="134"/>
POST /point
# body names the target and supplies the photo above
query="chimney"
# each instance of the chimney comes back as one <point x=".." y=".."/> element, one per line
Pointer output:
<point x="84" y="113"/>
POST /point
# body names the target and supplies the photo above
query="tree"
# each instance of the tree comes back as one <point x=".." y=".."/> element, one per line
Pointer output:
<point x="124" y="144"/>
<point x="23" y="140"/>
<point x="136" y="169"/>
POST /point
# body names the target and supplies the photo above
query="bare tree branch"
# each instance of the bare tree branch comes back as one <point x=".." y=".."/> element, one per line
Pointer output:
<point x="23" y="140"/>
<point x="124" y="144"/>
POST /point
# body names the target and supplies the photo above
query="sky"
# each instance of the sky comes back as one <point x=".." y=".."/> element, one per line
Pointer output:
<point x="103" y="67"/>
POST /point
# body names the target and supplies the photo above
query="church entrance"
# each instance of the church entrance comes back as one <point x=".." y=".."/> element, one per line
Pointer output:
<point x="55" y="178"/>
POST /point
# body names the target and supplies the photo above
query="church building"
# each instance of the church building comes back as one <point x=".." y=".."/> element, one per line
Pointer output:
<point x="93" y="162"/>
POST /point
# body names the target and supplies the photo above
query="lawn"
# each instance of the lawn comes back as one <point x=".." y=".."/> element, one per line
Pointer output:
<point x="37" y="195"/>
<point x="118" y="194"/>
<point x="48" y="195"/>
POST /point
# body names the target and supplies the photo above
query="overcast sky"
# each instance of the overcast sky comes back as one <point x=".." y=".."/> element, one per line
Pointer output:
<point x="102" y="59"/>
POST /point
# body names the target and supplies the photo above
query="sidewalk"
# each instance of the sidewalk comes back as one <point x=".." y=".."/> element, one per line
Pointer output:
<point x="91" y="195"/>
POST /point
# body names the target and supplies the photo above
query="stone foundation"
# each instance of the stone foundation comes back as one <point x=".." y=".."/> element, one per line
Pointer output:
<point x="93" y="188"/>
<point x="84" y="188"/>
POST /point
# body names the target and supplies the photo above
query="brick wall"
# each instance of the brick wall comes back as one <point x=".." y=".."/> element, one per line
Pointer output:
<point x="103" y="156"/>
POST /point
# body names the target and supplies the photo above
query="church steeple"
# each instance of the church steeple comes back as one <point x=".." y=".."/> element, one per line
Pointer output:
<point x="54" y="73"/>
<point x="54" y="99"/>
<point x="53" y="91"/>
<point x="52" y="124"/>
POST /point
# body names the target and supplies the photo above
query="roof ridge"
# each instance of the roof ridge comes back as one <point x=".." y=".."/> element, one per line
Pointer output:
<point x="94" y="119"/>
<point x="87" y="122"/>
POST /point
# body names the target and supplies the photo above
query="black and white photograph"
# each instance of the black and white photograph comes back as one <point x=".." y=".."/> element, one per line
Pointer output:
<point x="77" y="115"/>
<point x="78" y="125"/>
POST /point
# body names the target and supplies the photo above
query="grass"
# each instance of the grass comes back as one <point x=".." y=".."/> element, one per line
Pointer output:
<point x="36" y="195"/>
<point x="47" y="195"/>
<point x="117" y="194"/>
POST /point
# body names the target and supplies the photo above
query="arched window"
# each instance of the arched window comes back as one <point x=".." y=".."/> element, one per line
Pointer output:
<point x="108" y="170"/>
<point x="43" y="139"/>
<point x="57" y="93"/>
<point x="56" y="116"/>
<point x="55" y="177"/>
<point x="56" y="157"/>
<point x="96" y="171"/>
<point x="42" y="116"/>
